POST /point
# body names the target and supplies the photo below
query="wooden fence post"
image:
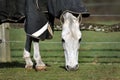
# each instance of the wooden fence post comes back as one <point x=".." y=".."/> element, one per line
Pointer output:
<point x="5" y="55"/>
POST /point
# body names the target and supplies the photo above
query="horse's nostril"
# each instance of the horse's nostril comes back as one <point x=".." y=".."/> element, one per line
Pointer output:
<point x="76" y="67"/>
<point x="67" y="68"/>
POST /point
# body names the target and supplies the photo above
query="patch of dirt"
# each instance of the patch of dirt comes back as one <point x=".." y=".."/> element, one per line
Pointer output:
<point x="100" y="27"/>
<point x="83" y="27"/>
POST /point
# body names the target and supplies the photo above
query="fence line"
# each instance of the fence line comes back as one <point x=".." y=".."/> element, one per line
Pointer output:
<point x="61" y="42"/>
<point x="103" y="4"/>
<point x="105" y="15"/>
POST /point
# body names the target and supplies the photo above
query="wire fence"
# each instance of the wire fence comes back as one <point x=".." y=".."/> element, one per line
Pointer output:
<point x="61" y="42"/>
<point x="103" y="4"/>
<point x="105" y="15"/>
<point x="104" y="9"/>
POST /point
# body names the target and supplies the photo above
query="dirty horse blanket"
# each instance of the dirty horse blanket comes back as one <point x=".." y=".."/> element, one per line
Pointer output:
<point x="33" y="12"/>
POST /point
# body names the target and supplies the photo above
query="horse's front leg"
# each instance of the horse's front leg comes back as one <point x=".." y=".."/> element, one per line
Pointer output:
<point x="26" y="53"/>
<point x="37" y="57"/>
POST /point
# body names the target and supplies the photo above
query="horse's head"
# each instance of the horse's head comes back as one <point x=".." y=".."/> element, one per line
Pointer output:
<point x="71" y="37"/>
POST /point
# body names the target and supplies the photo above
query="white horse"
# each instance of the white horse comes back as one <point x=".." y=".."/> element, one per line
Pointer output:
<point x="71" y="37"/>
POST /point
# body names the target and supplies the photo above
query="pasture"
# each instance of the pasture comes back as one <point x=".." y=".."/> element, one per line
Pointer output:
<point x="99" y="58"/>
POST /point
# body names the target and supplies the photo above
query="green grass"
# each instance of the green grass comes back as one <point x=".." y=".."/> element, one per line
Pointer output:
<point x="96" y="61"/>
<point x="85" y="72"/>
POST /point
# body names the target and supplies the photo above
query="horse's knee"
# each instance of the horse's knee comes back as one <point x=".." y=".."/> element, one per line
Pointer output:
<point x="26" y="54"/>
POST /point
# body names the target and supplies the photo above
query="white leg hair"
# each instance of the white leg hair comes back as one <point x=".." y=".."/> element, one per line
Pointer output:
<point x="36" y="55"/>
<point x="26" y="56"/>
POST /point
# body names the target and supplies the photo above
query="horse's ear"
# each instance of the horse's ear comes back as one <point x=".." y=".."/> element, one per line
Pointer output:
<point x="61" y="19"/>
<point x="79" y="18"/>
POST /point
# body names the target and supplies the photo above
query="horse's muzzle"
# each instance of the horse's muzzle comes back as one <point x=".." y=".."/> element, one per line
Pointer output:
<point x="69" y="68"/>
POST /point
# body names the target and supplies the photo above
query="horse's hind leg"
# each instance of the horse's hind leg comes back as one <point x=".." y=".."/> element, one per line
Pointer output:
<point x="37" y="57"/>
<point x="26" y="54"/>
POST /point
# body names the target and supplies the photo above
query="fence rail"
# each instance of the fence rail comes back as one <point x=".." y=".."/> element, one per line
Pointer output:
<point x="103" y="4"/>
<point x="105" y="15"/>
<point x="61" y="42"/>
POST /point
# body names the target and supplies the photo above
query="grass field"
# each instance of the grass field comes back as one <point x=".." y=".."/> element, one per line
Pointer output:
<point x="97" y="61"/>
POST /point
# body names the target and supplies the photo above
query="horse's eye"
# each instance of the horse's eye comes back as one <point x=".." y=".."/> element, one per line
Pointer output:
<point x="80" y="40"/>
<point x="63" y="40"/>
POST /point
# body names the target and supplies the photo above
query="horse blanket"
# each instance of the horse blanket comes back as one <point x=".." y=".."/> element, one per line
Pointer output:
<point x="33" y="13"/>
<point x="57" y="7"/>
<point x="12" y="10"/>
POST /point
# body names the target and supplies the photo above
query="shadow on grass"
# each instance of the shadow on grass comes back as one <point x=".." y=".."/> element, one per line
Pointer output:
<point x="16" y="64"/>
<point x="12" y="65"/>
<point x="62" y="67"/>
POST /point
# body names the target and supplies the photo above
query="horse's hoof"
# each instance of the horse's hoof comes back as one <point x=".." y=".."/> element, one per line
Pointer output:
<point x="40" y="68"/>
<point x="29" y="67"/>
